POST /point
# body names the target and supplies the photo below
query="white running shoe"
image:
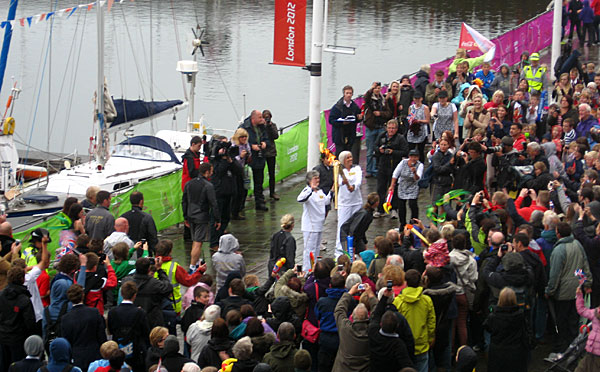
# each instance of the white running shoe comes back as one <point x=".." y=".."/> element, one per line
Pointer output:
<point x="376" y="214"/>
<point x="394" y="215"/>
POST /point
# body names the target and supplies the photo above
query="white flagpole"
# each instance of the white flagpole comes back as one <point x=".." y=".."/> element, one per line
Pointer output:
<point x="556" y="32"/>
<point x="316" y="57"/>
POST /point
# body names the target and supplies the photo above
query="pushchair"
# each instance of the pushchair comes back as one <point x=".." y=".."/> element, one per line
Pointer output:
<point x="567" y="361"/>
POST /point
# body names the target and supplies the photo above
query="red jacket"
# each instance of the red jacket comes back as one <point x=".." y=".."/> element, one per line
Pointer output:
<point x="191" y="163"/>
<point x="596" y="7"/>
<point x="527" y="211"/>
<point x="96" y="285"/>
<point x="518" y="145"/>
<point x="182" y="276"/>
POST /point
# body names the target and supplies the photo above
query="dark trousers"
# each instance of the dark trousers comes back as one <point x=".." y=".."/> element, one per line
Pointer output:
<point x="421" y="148"/>
<point x="224" y="203"/>
<point x="271" y="166"/>
<point x="239" y="199"/>
<point x="414" y="210"/>
<point x="597" y="27"/>
<point x="258" y="176"/>
<point x="339" y="147"/>
<point x="384" y="178"/>
<point x="575" y="24"/>
<point x="12" y="353"/>
<point x="313" y="349"/>
<point x="356" y="151"/>
<point x="588" y="28"/>
<point x="567" y="322"/>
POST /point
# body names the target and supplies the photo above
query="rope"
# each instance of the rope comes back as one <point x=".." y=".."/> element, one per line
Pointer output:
<point x="178" y="48"/>
<point x="137" y="69"/>
<point x="237" y="116"/>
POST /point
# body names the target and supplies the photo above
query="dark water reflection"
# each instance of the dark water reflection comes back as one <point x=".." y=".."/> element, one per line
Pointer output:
<point x="391" y="37"/>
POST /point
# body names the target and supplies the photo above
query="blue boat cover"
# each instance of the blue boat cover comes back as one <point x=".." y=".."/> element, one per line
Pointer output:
<point x="153" y="143"/>
<point x="130" y="110"/>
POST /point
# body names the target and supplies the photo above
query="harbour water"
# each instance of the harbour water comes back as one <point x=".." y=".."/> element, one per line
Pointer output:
<point x="391" y="38"/>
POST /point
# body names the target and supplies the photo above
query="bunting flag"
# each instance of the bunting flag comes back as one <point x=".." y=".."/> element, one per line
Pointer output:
<point x="473" y="40"/>
<point x="60" y="13"/>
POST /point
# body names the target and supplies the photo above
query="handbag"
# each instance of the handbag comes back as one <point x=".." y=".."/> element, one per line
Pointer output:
<point x="309" y="332"/>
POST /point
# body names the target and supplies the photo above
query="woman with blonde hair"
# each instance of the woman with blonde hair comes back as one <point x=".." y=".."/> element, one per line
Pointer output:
<point x="241" y="147"/>
<point x="157" y="337"/>
<point x="283" y="245"/>
<point x="509" y="347"/>
<point x="360" y="268"/>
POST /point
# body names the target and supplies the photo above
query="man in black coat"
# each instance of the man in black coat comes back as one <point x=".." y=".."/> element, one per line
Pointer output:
<point x="235" y="300"/>
<point x="471" y="169"/>
<point x="129" y="326"/>
<point x="344" y="131"/>
<point x="257" y="138"/>
<point x="390" y="340"/>
<point x="390" y="148"/>
<point x="141" y="224"/>
<point x="17" y="318"/>
<point x="151" y="291"/>
<point x="199" y="205"/>
<point x="84" y="328"/>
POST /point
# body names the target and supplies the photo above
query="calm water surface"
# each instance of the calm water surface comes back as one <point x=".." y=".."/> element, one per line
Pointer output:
<point x="391" y="38"/>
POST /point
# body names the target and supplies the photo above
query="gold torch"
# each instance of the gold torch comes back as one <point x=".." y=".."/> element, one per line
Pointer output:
<point x="333" y="162"/>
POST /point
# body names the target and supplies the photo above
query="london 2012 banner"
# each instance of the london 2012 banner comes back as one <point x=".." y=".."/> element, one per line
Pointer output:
<point x="290" y="33"/>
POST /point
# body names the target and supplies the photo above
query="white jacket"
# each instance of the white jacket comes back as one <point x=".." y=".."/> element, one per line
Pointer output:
<point x="313" y="212"/>
<point x="347" y="198"/>
<point x="466" y="267"/>
<point x="197" y="336"/>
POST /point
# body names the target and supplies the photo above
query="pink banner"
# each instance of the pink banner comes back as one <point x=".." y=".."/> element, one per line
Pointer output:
<point x="531" y="36"/>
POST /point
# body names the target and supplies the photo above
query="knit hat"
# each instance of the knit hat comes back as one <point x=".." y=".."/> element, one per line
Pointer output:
<point x="512" y="260"/>
<point x="212" y="312"/>
<point x="437" y="254"/>
<point x="34" y="346"/>
<point x="507" y="141"/>
<point x="466" y="359"/>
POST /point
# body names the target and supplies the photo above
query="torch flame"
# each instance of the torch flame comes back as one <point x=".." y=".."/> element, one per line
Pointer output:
<point x="329" y="155"/>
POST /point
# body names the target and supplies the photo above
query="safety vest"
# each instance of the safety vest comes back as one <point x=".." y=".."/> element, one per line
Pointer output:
<point x="170" y="267"/>
<point x="28" y="255"/>
<point x="535" y="81"/>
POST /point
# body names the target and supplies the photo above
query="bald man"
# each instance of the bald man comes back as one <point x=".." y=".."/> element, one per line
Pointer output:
<point x="257" y="138"/>
<point x="118" y="236"/>
<point x="6" y="239"/>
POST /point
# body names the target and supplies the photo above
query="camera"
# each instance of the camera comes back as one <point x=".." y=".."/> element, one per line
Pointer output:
<point x="362" y="287"/>
<point x="202" y="261"/>
<point x="216" y="147"/>
<point x="390" y="284"/>
<point x="17" y="241"/>
<point x="550" y="186"/>
<point x="152" y="261"/>
<point x="340" y="268"/>
<point x="504" y="247"/>
<point x="143" y="241"/>
<point x="299" y="268"/>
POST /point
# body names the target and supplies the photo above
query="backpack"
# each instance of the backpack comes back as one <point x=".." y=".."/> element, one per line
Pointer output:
<point x="52" y="330"/>
<point x="125" y="337"/>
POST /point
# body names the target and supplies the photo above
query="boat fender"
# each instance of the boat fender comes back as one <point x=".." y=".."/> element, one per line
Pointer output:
<point x="8" y="127"/>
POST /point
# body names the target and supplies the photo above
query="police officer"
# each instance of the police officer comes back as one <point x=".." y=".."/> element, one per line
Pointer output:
<point x="36" y="244"/>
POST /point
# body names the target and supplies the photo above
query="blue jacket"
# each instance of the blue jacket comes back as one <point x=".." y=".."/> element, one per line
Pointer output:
<point x="546" y="242"/>
<point x="487" y="79"/>
<point x="58" y="293"/>
<point x="326" y="306"/>
<point x="60" y="356"/>
<point x="583" y="127"/>
<point x="587" y="13"/>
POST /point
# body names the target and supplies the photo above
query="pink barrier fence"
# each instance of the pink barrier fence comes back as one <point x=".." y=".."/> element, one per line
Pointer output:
<point x="531" y="36"/>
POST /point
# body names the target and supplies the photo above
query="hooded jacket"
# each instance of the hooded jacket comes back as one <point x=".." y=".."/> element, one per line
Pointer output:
<point x="509" y="347"/>
<point x="587" y="13"/>
<point x="261" y="345"/>
<point x="353" y="353"/>
<point x="590" y="245"/>
<point x="310" y="289"/>
<point x="191" y="163"/>
<point x="421" y="82"/>
<point x="418" y="310"/>
<point x="297" y="300"/>
<point x="199" y="201"/>
<point x="281" y="356"/>
<point x="197" y="336"/>
<point x="209" y="356"/>
<point x="151" y="292"/>
<point x="325" y="308"/>
<point x="17" y="317"/>
<point x="60" y="356"/>
<point x="592" y="345"/>
<point x="555" y="164"/>
<point x="466" y="268"/>
<point x="283" y="312"/>
<point x="226" y="260"/>
<point x="502" y="82"/>
<point x="567" y="257"/>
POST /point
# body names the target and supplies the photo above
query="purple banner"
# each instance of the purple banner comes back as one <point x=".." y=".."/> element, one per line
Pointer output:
<point x="531" y="36"/>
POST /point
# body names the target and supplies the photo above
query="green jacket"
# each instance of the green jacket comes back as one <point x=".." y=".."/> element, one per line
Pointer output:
<point x="124" y="268"/>
<point x="281" y="356"/>
<point x="476" y="235"/>
<point x="473" y="62"/>
<point x="297" y="300"/>
<point x="418" y="310"/>
<point x="567" y="257"/>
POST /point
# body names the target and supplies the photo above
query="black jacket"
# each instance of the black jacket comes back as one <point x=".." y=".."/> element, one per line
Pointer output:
<point x="192" y="313"/>
<point x="283" y="244"/>
<point x="357" y="226"/>
<point x="325" y="177"/>
<point x="223" y="177"/>
<point x="141" y="226"/>
<point x="129" y="323"/>
<point x="151" y="292"/>
<point x="84" y="328"/>
<point x="209" y="356"/>
<point x="371" y="121"/>
<point x="388" y="353"/>
<point x="272" y="135"/>
<point x="421" y="82"/>
<point x="508" y="347"/>
<point x="283" y="312"/>
<point x="469" y="176"/>
<point x="260" y="302"/>
<point x="255" y="137"/>
<point x="590" y="245"/>
<point x="343" y="133"/>
<point x="442" y="169"/>
<point x="6" y="243"/>
<point x="26" y="365"/>
<point x="399" y="146"/>
<point x="17" y="318"/>
<point x="537" y="267"/>
<point x="540" y="182"/>
<point x="199" y="201"/>
<point x="232" y="303"/>
<point x="171" y="359"/>
<point x="497" y="279"/>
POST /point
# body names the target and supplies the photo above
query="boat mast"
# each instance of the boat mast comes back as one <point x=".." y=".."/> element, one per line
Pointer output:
<point x="12" y="10"/>
<point x="101" y="139"/>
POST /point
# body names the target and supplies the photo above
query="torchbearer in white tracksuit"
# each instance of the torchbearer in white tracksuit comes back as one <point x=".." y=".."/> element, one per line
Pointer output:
<point x="349" y="198"/>
<point x="315" y="203"/>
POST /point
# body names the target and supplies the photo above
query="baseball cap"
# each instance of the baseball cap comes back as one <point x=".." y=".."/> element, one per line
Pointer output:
<point x="39" y="233"/>
<point x="507" y="141"/>
<point x="534" y="57"/>
<point x="413" y="152"/>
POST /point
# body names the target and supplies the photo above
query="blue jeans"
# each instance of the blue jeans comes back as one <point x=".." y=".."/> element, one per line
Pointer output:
<point x="372" y="135"/>
<point x="422" y="362"/>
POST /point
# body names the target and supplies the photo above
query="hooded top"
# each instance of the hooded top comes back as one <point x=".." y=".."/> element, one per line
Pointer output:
<point x="34" y="346"/>
<point x="501" y="81"/>
<point x="587" y="13"/>
<point x="555" y="164"/>
<point x="226" y="260"/>
<point x="419" y="312"/>
<point x="60" y="355"/>
<point x="466" y="360"/>
<point x="172" y="360"/>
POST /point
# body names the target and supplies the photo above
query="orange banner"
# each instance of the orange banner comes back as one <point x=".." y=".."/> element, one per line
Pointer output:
<point x="290" y="32"/>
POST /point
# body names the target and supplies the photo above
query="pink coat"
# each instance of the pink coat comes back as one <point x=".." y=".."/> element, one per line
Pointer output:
<point x="593" y="342"/>
<point x="188" y="297"/>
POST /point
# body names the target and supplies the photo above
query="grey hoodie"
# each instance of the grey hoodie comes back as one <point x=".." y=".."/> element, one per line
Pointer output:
<point x="197" y="336"/>
<point x="502" y="82"/>
<point x="227" y="260"/>
<point x="555" y="164"/>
